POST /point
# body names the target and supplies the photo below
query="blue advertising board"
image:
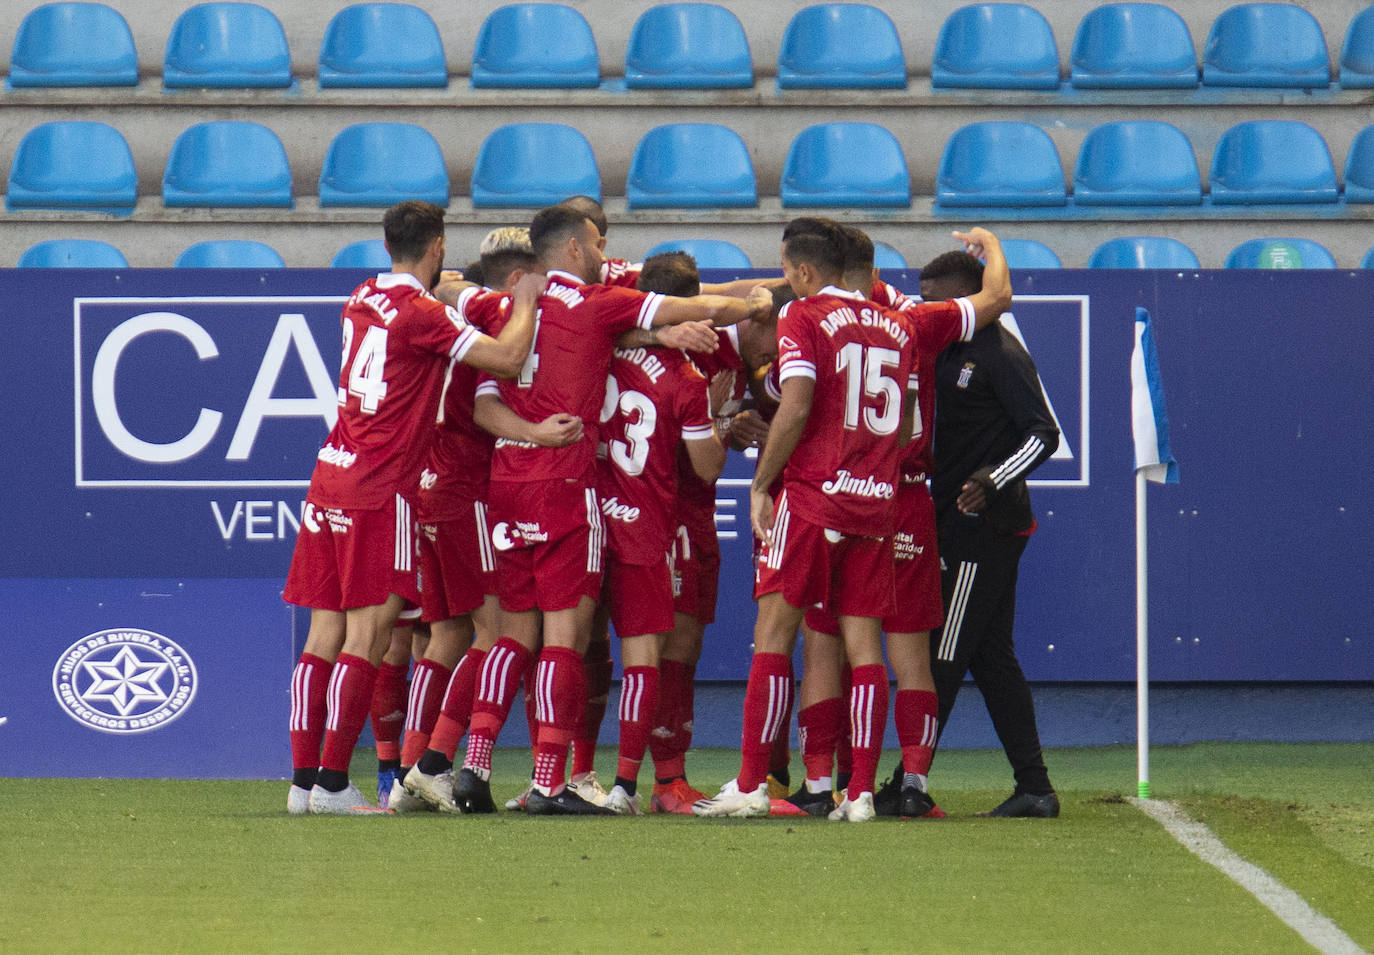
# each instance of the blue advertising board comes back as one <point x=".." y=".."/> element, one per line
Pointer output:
<point x="163" y="425"/>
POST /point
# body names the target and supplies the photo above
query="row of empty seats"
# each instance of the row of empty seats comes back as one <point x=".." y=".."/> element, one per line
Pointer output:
<point x="88" y="165"/>
<point x="701" y="45"/>
<point x="1133" y="252"/>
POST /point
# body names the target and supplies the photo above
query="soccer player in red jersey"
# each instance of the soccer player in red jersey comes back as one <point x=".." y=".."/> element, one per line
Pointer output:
<point x="548" y="531"/>
<point x="457" y="559"/>
<point x="918" y="609"/>
<point x="846" y="368"/>
<point x="656" y="402"/>
<point x="354" y="563"/>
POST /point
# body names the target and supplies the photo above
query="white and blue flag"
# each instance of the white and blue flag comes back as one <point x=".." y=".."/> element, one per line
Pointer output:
<point x="1149" y="418"/>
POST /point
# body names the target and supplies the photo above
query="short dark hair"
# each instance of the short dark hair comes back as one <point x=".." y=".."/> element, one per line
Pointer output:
<point x="670" y="273"/>
<point x="858" y="256"/>
<point x="497" y="266"/>
<point x="473" y="272"/>
<point x="804" y="225"/>
<point x="824" y="248"/>
<point x="409" y="227"/>
<point x="782" y="294"/>
<point x="590" y="208"/>
<point x="552" y="225"/>
<point x="956" y="264"/>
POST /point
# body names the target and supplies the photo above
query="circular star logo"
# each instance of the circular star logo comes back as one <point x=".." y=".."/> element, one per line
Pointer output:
<point x="124" y="681"/>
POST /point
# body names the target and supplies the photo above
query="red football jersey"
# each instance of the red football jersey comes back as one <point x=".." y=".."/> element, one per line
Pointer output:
<point x="458" y="470"/>
<point x="397" y="341"/>
<point x="620" y="273"/>
<point x="565" y="372"/>
<point x="655" y="400"/>
<point x="930" y="323"/>
<point x="887" y="296"/>
<point x="843" y="474"/>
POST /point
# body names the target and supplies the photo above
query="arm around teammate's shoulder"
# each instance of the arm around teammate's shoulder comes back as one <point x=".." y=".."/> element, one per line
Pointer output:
<point x="994" y="297"/>
<point x="504" y="355"/>
<point x="718" y="309"/>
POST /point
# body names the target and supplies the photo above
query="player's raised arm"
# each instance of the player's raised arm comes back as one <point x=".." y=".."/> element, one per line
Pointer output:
<point x="994" y="297"/>
<point x="505" y="354"/>
<point x="719" y="310"/>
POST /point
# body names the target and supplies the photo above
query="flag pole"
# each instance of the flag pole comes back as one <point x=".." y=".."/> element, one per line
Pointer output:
<point x="1142" y="643"/>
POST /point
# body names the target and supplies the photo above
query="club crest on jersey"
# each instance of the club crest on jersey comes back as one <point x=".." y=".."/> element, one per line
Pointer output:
<point x="124" y="681"/>
<point x="965" y="374"/>
<point x="846" y="483"/>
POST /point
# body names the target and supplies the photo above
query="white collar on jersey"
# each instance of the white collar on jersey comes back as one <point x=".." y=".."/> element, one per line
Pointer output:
<point x="841" y="293"/>
<point x="566" y="278"/>
<point x="732" y="333"/>
<point x="393" y="279"/>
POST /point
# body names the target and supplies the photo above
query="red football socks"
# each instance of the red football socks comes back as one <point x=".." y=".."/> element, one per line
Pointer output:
<point x="348" y="699"/>
<point x="868" y="721"/>
<point x="638" y="703"/>
<point x="915" y="712"/>
<point x="309" y="680"/>
<point x="560" y="694"/>
<point x="458" y="700"/>
<point x="767" y="706"/>
<point x="820" y="727"/>
<point x="496" y="688"/>
<point x="427" y="690"/>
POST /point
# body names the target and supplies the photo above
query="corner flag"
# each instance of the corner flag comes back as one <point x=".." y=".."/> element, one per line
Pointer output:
<point x="1149" y="418"/>
<point x="1153" y="462"/>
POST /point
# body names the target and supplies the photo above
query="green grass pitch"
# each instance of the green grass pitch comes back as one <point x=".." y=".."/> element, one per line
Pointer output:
<point x="160" y="865"/>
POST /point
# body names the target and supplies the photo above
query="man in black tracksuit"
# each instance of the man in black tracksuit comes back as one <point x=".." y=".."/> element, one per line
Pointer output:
<point x="992" y="428"/>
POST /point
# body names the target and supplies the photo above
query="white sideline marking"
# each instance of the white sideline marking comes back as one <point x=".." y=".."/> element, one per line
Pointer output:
<point x="1316" y="929"/>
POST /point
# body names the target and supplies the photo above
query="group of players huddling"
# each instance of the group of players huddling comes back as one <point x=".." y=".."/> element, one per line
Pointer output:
<point x="523" y="460"/>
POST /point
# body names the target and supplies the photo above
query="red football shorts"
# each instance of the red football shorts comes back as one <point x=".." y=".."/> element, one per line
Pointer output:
<point x="916" y="570"/>
<point x="696" y="579"/>
<point x="457" y="564"/>
<point x="809" y="565"/>
<point x="549" y="541"/>
<point x="346" y="559"/>
<point x="639" y="597"/>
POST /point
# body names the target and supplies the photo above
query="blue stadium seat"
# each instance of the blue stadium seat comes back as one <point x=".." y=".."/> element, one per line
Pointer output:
<point x="228" y="163"/>
<point x="1133" y="46"/>
<point x="73" y="44"/>
<point x="1368" y="261"/>
<point x="361" y="48"/>
<point x="367" y="254"/>
<point x="1269" y="161"/>
<point x="1000" y="164"/>
<point x="1266" y="44"/>
<point x="535" y="45"/>
<point x="995" y="46"/>
<point x="236" y="45"/>
<point x="1357" y="52"/>
<point x="379" y="164"/>
<point x="688" y="46"/>
<point x="841" y="45"/>
<point x="72" y="254"/>
<point x="845" y="164"/>
<point x="73" y="165"/>
<point x="230" y="254"/>
<point x="1134" y="163"/>
<point x="886" y="257"/>
<point x="709" y="253"/>
<point x="534" y="165"/>
<point x="690" y="165"/>
<point x="1029" y="254"/>
<point x="1359" y="166"/>
<point x="1280" y="254"/>
<point x="1143" y="252"/>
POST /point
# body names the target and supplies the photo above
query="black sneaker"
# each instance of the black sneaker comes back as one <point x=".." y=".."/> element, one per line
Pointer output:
<point x="1027" y="806"/>
<point x="813" y="804"/>
<point x="472" y="793"/>
<point x="917" y="804"/>
<point x="887" y="801"/>
<point x="566" y="803"/>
